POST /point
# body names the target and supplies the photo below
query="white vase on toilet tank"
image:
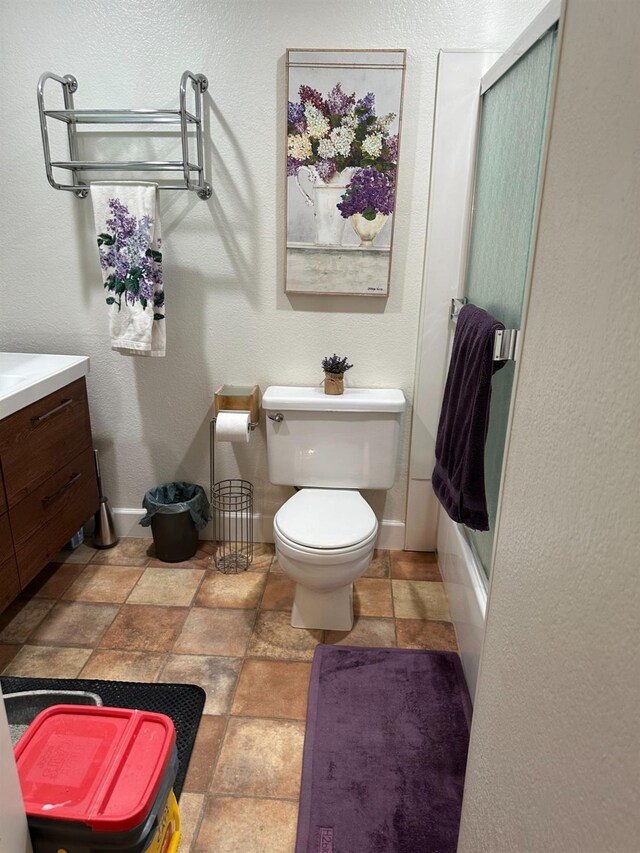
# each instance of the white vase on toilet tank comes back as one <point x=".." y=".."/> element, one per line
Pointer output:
<point x="329" y="447"/>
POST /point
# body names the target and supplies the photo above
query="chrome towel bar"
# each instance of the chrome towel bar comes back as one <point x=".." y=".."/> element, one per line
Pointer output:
<point x="506" y="340"/>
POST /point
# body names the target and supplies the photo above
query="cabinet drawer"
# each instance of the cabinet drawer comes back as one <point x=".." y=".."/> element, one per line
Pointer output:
<point x="6" y="542"/>
<point x="38" y="439"/>
<point x="55" y="510"/>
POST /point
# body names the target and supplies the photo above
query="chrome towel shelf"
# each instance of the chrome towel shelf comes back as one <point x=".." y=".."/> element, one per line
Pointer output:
<point x="193" y="176"/>
<point x="506" y="340"/>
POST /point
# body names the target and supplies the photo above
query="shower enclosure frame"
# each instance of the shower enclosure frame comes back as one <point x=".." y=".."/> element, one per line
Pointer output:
<point x="456" y="136"/>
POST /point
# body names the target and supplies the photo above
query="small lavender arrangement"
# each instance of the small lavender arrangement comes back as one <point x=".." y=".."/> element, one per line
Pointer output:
<point x="335" y="367"/>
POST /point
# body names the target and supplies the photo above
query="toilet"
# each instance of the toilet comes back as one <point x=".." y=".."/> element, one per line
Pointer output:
<point x="329" y="447"/>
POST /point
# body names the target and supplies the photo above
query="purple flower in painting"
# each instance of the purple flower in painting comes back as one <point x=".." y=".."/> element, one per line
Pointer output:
<point x="295" y="118"/>
<point x="392" y="146"/>
<point x="295" y="113"/>
<point x="312" y="96"/>
<point x="292" y="166"/>
<point x="326" y="169"/>
<point x="369" y="192"/>
<point x="338" y="103"/>
<point x="366" y="107"/>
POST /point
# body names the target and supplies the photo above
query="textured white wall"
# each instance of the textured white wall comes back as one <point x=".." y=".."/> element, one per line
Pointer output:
<point x="554" y="762"/>
<point x="228" y="319"/>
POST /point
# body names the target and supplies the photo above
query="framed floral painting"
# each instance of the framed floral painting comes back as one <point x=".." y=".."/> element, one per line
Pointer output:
<point x="344" y="112"/>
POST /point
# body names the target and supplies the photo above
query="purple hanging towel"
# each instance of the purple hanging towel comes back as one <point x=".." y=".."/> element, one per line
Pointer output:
<point x="458" y="478"/>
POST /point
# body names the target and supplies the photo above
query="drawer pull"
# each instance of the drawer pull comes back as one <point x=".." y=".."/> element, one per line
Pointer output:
<point x="63" y="405"/>
<point x="49" y="499"/>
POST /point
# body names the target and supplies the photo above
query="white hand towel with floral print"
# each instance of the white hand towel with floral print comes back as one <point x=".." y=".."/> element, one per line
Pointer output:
<point x="129" y="244"/>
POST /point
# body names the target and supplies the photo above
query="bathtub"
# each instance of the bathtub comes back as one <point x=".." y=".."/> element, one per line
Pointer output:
<point x="466" y="585"/>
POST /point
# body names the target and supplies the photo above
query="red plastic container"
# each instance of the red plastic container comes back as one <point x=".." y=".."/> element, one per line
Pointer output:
<point x="97" y="778"/>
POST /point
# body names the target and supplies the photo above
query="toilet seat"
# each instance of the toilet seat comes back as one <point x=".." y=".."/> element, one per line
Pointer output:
<point x="323" y="521"/>
<point x="322" y="555"/>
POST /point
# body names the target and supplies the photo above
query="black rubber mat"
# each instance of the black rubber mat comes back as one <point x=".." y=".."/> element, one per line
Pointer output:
<point x="182" y="702"/>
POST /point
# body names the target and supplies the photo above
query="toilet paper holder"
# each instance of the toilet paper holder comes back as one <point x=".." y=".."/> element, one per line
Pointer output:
<point x="238" y="398"/>
<point x="232" y="500"/>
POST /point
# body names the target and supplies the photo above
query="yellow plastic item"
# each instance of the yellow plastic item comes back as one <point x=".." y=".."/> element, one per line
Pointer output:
<point x="167" y="837"/>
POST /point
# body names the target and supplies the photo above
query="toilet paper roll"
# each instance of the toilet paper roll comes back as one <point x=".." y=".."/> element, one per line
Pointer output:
<point x="233" y="426"/>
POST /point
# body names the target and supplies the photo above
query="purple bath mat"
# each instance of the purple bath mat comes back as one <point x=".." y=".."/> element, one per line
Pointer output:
<point x="385" y="752"/>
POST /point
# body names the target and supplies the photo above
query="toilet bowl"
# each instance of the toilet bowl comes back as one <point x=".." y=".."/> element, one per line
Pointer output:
<point x="324" y="540"/>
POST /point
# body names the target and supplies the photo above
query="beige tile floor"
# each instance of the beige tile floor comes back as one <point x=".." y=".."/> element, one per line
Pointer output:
<point x="124" y="615"/>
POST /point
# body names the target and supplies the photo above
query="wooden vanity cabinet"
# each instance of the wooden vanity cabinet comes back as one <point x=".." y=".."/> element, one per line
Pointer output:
<point x="9" y="578"/>
<point x="3" y="498"/>
<point x="48" y="488"/>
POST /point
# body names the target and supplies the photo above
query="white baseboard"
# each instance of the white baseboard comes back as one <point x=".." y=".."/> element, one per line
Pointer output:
<point x="390" y="537"/>
<point x="126" y="522"/>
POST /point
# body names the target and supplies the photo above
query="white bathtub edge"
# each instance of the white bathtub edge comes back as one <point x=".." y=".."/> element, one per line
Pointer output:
<point x="466" y="587"/>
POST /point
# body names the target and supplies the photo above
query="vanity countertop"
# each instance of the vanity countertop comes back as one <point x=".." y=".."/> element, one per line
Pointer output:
<point x="27" y="377"/>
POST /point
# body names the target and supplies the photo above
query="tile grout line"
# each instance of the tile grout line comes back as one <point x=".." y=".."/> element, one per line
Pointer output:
<point x="209" y="795"/>
<point x="251" y="797"/>
<point x="223" y="735"/>
<point x="198" y="824"/>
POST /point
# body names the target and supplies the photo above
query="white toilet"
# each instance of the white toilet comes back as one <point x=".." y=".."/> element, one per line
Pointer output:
<point x="329" y="447"/>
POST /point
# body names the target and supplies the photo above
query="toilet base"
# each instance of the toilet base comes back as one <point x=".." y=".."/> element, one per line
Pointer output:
<point x="330" y="611"/>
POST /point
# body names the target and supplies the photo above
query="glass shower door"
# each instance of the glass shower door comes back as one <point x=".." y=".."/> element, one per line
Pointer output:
<point x="510" y="147"/>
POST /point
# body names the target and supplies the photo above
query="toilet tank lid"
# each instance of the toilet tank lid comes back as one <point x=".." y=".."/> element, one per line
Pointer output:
<point x="287" y="398"/>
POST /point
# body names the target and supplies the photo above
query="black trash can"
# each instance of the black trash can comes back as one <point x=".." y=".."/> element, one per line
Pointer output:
<point x="176" y="512"/>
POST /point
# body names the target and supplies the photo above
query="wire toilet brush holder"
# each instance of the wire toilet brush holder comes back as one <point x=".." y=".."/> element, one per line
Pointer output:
<point x="232" y="504"/>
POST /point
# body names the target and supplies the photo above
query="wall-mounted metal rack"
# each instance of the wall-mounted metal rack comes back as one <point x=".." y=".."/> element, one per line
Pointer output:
<point x="505" y="342"/>
<point x="193" y="177"/>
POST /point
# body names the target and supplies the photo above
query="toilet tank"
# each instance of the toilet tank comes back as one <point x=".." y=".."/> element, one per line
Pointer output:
<point x="348" y="441"/>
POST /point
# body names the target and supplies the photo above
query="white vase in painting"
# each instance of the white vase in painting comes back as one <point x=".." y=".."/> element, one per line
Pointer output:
<point x="367" y="229"/>
<point x="329" y="223"/>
